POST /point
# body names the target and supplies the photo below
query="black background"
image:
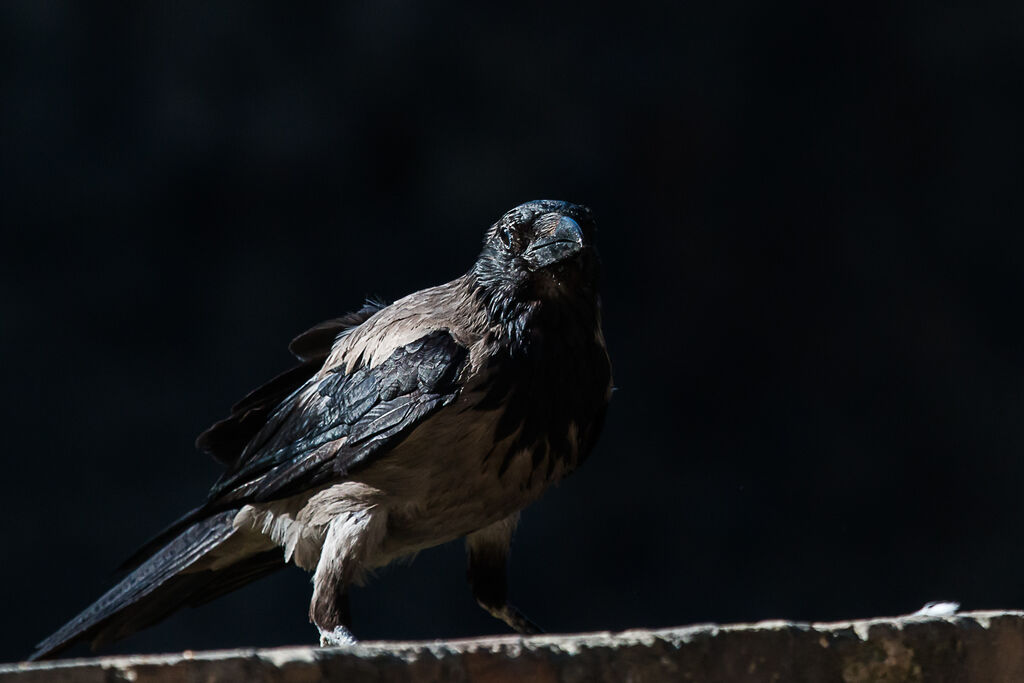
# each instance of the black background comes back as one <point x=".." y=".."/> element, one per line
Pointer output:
<point x="810" y="219"/>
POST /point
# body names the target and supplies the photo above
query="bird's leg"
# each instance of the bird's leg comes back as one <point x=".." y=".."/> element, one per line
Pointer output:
<point x="487" y="551"/>
<point x="340" y="564"/>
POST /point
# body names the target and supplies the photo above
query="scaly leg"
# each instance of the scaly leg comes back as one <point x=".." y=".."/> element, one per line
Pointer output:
<point x="487" y="551"/>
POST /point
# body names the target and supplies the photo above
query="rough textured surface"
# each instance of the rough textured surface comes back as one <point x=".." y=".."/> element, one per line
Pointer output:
<point x="982" y="647"/>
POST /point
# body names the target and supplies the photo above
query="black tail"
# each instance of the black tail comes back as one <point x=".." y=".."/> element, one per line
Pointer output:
<point x="163" y="584"/>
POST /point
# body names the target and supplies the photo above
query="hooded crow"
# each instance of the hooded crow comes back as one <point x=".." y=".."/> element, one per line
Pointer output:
<point x="404" y="426"/>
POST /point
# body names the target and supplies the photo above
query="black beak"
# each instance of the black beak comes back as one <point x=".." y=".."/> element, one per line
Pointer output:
<point x="558" y="244"/>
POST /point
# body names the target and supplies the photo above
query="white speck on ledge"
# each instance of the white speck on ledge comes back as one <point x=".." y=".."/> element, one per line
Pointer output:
<point x="938" y="608"/>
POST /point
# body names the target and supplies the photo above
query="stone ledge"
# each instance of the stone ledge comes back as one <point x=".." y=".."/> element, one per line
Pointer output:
<point x="969" y="647"/>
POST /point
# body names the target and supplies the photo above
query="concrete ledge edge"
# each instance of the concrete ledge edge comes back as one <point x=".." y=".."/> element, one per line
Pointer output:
<point x="966" y="646"/>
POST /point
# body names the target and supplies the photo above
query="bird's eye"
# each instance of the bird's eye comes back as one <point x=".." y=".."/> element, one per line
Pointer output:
<point x="507" y="238"/>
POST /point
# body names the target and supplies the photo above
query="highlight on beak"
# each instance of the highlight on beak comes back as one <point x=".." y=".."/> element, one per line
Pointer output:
<point x="565" y="239"/>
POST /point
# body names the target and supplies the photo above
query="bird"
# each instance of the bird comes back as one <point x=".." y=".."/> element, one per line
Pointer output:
<point x="403" y="427"/>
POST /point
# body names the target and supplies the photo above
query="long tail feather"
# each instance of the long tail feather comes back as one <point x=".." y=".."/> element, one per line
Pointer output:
<point x="164" y="583"/>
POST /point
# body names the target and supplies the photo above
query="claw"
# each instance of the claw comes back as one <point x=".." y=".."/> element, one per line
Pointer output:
<point x="514" y="618"/>
<point x="340" y="636"/>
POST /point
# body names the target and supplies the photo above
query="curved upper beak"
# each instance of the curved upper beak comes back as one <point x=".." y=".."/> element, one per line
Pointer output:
<point x="564" y="239"/>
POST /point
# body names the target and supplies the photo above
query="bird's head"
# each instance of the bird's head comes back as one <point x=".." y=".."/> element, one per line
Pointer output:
<point x="539" y="251"/>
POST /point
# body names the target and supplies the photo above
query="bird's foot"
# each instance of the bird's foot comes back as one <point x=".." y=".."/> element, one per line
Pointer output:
<point x="516" y="619"/>
<point x="340" y="635"/>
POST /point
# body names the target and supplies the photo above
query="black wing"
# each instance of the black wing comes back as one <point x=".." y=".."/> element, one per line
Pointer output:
<point x="226" y="440"/>
<point x="325" y="428"/>
<point x="334" y="424"/>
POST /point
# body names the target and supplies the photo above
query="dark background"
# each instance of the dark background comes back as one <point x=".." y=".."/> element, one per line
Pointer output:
<point x="810" y="217"/>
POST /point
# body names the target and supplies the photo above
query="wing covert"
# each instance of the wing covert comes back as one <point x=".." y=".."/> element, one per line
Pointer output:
<point x="227" y="439"/>
<point x="335" y="423"/>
